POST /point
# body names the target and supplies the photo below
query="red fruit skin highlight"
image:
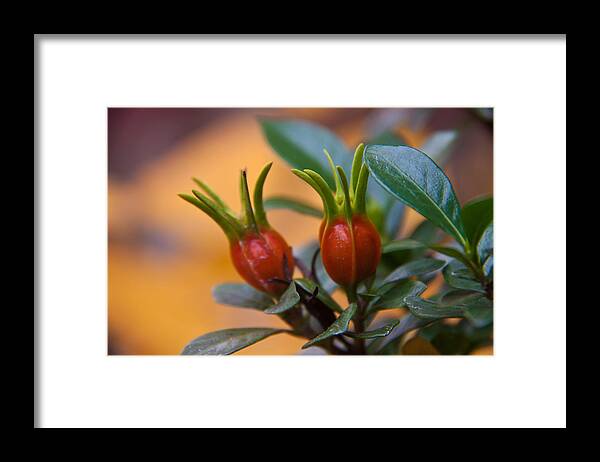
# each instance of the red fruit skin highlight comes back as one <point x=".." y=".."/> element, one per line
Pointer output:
<point x="350" y="257"/>
<point x="260" y="257"/>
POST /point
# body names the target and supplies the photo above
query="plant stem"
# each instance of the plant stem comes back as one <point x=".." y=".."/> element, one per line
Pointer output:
<point x="475" y="266"/>
<point x="359" y="320"/>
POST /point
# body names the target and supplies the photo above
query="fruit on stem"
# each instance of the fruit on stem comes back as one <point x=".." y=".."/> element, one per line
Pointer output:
<point x="350" y="243"/>
<point x="260" y="254"/>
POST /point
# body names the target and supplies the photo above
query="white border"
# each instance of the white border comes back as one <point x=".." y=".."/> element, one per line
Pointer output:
<point x="524" y="384"/>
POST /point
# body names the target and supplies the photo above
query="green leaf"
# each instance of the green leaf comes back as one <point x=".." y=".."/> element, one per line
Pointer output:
<point x="477" y="214"/>
<point x="384" y="211"/>
<point x="414" y="268"/>
<point x="408" y="323"/>
<point x="339" y="326"/>
<point x="228" y="341"/>
<point x="395" y="297"/>
<point x="450" y="340"/>
<point x="473" y="306"/>
<point x="392" y="211"/>
<point x="383" y="331"/>
<point x="458" y="276"/>
<point x="403" y="244"/>
<point x="288" y="300"/>
<point x="413" y="178"/>
<point x="454" y="253"/>
<point x="411" y="244"/>
<point x="457" y="296"/>
<point x="485" y="246"/>
<point x="480" y="312"/>
<point x="242" y="296"/>
<point x="301" y="144"/>
<point x="280" y="202"/>
<point x="426" y="232"/>
<point x="426" y="309"/>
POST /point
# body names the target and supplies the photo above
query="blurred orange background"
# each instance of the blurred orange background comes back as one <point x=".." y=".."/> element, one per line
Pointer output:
<point x="164" y="255"/>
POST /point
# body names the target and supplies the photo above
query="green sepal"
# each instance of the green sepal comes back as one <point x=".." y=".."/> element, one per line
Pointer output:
<point x="248" y="219"/>
<point x="307" y="179"/>
<point x="357" y="164"/>
<point x="339" y="195"/>
<point x="360" y="195"/>
<point x="347" y="202"/>
<point x="259" y="209"/>
<point x="231" y="219"/>
<point x="214" y="196"/>
<point x="329" y="203"/>
<point x="232" y="231"/>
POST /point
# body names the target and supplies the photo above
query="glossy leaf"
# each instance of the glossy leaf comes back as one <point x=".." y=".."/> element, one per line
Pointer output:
<point x="241" y="295"/>
<point x="415" y="179"/>
<point x="288" y="300"/>
<point x="477" y="214"/>
<point x="414" y="268"/>
<point x="452" y="252"/>
<point x="426" y="309"/>
<point x="485" y="246"/>
<point x="228" y="341"/>
<point x="426" y="232"/>
<point x="478" y="308"/>
<point x="280" y="202"/>
<point x="392" y="211"/>
<point x="383" y="331"/>
<point x="411" y="244"/>
<point x="339" y="326"/>
<point x="451" y="341"/>
<point x="395" y="297"/>
<point x="403" y="244"/>
<point x="473" y="306"/>
<point x="457" y="296"/>
<point x="301" y="144"/>
<point x="480" y="313"/>
<point x="407" y="324"/>
<point x="458" y="276"/>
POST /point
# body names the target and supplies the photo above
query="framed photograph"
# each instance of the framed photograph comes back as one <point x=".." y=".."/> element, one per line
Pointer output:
<point x="225" y="222"/>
